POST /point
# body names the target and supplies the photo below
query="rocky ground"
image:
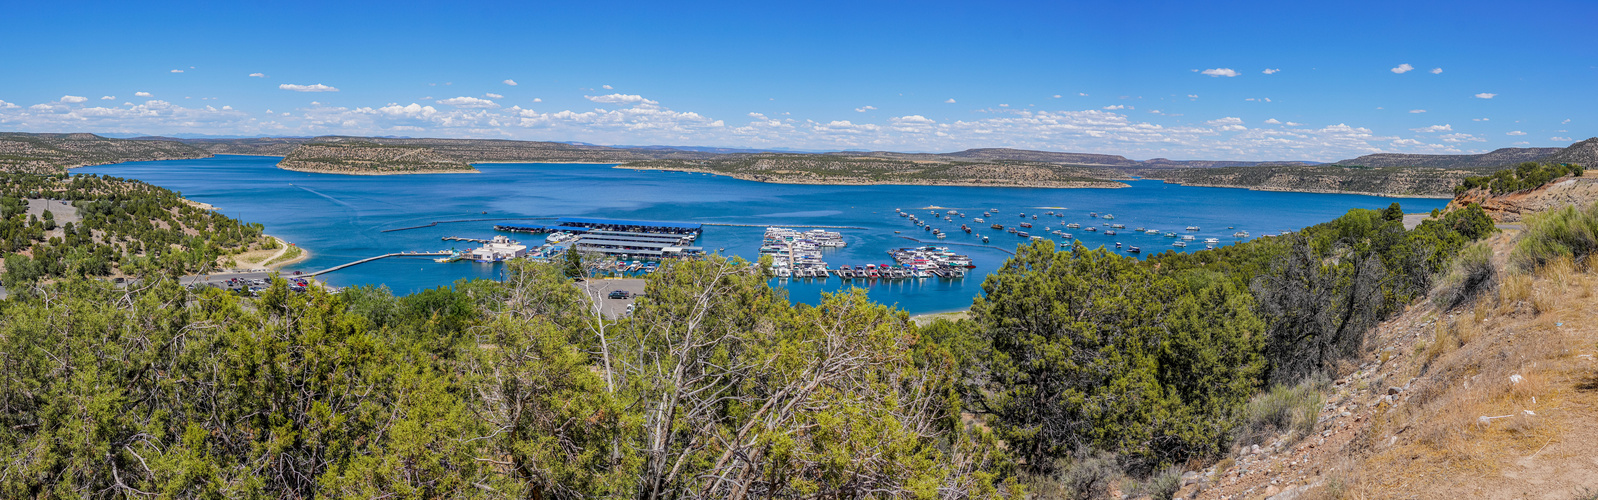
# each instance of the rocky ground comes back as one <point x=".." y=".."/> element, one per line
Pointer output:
<point x="1513" y="207"/>
<point x="1494" y="400"/>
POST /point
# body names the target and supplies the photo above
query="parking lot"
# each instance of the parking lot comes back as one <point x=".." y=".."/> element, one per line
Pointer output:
<point x="601" y="289"/>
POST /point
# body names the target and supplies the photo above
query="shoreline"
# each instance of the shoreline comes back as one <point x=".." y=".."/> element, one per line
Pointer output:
<point x="416" y="172"/>
<point x="1315" y="191"/>
<point x="745" y="177"/>
<point x="925" y="319"/>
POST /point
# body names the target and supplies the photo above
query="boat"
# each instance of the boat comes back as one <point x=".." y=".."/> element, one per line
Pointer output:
<point x="1117" y="244"/>
<point x="979" y="220"/>
<point x="453" y="256"/>
<point x="1011" y="230"/>
<point x="942" y="235"/>
<point x="1109" y="217"/>
<point x="1192" y="228"/>
<point x="1134" y="250"/>
<point x="1026" y="224"/>
<point x="1179" y="244"/>
<point x="1118" y="226"/>
<point x="1169" y="234"/>
<point x="997" y="226"/>
<point x="1065" y="236"/>
<point x="1034" y="217"/>
<point x="1110" y="233"/>
<point x="984" y="239"/>
<point x="1240" y="234"/>
<point x="1092" y="229"/>
<point x="965" y="228"/>
<point x="1022" y="234"/>
<point x="1073" y="225"/>
<point x="1152" y="231"/>
<point x="1187" y="237"/>
<point x="1212" y="241"/>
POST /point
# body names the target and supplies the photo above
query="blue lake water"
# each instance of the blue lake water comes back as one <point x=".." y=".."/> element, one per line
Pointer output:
<point x="340" y="218"/>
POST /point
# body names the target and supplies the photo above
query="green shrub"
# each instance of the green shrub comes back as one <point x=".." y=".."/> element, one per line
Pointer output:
<point x="1566" y="232"/>
<point x="1470" y="274"/>
<point x="1292" y="409"/>
<point x="1161" y="486"/>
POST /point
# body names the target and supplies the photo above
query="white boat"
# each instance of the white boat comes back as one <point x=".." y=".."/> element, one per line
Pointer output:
<point x="1179" y="244"/>
<point x="1240" y="234"/>
<point x="1192" y="228"/>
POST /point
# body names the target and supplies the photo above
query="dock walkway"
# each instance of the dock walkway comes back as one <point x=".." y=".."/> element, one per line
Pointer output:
<point x="781" y="225"/>
<point x="369" y="259"/>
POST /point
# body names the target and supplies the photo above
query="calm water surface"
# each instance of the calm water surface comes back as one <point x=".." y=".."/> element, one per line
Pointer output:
<point x="339" y="218"/>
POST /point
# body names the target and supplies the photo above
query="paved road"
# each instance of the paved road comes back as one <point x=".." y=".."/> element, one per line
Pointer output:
<point x="601" y="288"/>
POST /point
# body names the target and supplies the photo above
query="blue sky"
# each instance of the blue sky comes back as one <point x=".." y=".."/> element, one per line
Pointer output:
<point x="1142" y="79"/>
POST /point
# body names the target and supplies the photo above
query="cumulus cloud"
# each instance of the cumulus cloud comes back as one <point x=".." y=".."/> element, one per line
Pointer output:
<point x="606" y="87"/>
<point x="1480" y="119"/>
<point x="863" y="109"/>
<point x="1403" y="68"/>
<point x="1115" y="107"/>
<point x="1460" y="137"/>
<point x="308" y="88"/>
<point x="1226" y="72"/>
<point x="509" y="82"/>
<point x="1514" y="132"/>
<point x="1437" y="71"/>
<point x="1434" y="128"/>
<point x="7" y="105"/>
<point x="1294" y="124"/>
<point x="108" y="98"/>
<point x="1273" y="121"/>
<point x="1417" y="111"/>
<point x="1056" y="96"/>
<point x="177" y="71"/>
<point x="258" y="75"/>
<point x="1485" y="95"/>
<point x="620" y="99"/>
<point x="492" y="95"/>
<point x="1270" y="71"/>
<point x="143" y="94"/>
<point x="1557" y="138"/>
<point x="73" y="99"/>
<point x="950" y="101"/>
<point x="535" y="99"/>
<point x="469" y="102"/>
<point x="1228" y="124"/>
<point x="1083" y="94"/>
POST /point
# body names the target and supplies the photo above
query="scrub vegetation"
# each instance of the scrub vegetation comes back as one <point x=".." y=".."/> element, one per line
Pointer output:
<point x="117" y="227"/>
<point x="1080" y="372"/>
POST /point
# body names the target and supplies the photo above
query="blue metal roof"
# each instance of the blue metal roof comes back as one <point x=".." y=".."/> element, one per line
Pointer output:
<point x="542" y="229"/>
<point x="625" y="222"/>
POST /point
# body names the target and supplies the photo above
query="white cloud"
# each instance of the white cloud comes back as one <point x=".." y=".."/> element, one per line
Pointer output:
<point x="1514" y="132"/>
<point x="535" y="99"/>
<point x="950" y="101"/>
<point x="1270" y="71"/>
<point x="1192" y="96"/>
<point x="1522" y="143"/>
<point x="1273" y="121"/>
<point x="1460" y="137"/>
<point x="7" y="105"/>
<point x="1437" y="71"/>
<point x="469" y="102"/>
<point x="620" y="99"/>
<point x="1485" y="95"/>
<point x="73" y="99"/>
<point x="1403" y="68"/>
<point x="1115" y="107"/>
<point x="143" y="94"/>
<point x="1480" y="119"/>
<point x="606" y="87"/>
<point x="1229" y="124"/>
<point x="1294" y="124"/>
<point x="177" y="71"/>
<point x="1434" y="128"/>
<point x="1226" y="72"/>
<point x="308" y="88"/>
<point x="1083" y="94"/>
<point x="1567" y="120"/>
<point x="509" y="82"/>
<point x="492" y="95"/>
<point x="863" y="109"/>
<point x="1056" y="96"/>
<point x="258" y="75"/>
<point x="1417" y="111"/>
<point x="1557" y="138"/>
<point x="108" y="98"/>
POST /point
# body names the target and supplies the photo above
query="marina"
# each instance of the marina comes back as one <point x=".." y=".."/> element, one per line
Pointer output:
<point x="541" y="206"/>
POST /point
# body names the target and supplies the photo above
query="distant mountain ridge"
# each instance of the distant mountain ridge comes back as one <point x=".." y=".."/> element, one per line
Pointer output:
<point x="1496" y="158"/>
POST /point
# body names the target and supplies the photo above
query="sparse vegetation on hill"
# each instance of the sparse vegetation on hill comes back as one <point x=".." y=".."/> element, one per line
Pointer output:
<point x="53" y="153"/>
<point x="1527" y="175"/>
<point x="1496" y="158"/>
<point x="367" y="158"/>
<point x="119" y="227"/>
<point x="838" y="169"/>
<point x="1382" y="181"/>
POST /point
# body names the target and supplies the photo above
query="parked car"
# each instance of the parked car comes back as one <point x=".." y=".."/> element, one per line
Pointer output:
<point x="620" y="294"/>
